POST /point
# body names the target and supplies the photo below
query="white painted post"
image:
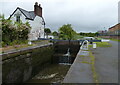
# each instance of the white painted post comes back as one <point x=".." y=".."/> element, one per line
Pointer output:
<point x="87" y="44"/>
<point x="29" y="42"/>
<point x="94" y="45"/>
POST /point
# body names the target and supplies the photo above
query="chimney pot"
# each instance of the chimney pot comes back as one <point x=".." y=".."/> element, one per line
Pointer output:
<point x="36" y="3"/>
<point x="37" y="9"/>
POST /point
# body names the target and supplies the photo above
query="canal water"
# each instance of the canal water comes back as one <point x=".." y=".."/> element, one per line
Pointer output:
<point x="54" y="73"/>
<point x="62" y="60"/>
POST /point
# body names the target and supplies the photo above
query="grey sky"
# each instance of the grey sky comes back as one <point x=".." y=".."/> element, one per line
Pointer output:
<point x="84" y="15"/>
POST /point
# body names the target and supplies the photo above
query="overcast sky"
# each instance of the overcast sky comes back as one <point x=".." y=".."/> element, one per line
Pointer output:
<point x="84" y="15"/>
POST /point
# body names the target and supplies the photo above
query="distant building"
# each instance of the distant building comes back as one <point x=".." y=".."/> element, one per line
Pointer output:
<point x="115" y="30"/>
<point x="49" y="36"/>
<point x="88" y="38"/>
<point x="103" y="32"/>
<point x="34" y="18"/>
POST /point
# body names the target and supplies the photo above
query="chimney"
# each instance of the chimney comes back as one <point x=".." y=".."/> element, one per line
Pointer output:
<point x="37" y="9"/>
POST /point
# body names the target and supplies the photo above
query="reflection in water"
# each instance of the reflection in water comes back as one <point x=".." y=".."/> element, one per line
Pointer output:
<point x="54" y="73"/>
<point x="46" y="77"/>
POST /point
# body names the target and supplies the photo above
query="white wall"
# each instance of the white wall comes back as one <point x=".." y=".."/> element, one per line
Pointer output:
<point x="37" y="27"/>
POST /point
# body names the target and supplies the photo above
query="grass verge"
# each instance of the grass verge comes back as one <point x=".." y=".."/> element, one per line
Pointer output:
<point x="14" y="47"/>
<point x="118" y="40"/>
<point x="20" y="46"/>
<point x="95" y="76"/>
<point x="102" y="44"/>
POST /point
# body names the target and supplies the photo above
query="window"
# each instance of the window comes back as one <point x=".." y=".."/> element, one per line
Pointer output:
<point x="17" y="18"/>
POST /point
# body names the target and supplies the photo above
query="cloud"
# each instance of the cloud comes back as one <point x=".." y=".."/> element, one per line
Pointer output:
<point x="84" y="15"/>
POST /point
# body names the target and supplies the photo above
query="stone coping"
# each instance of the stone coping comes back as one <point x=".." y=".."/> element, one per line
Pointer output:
<point x="22" y="50"/>
<point x="28" y="48"/>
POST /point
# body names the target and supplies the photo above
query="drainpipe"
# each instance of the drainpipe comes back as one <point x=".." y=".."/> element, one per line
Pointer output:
<point x="44" y="29"/>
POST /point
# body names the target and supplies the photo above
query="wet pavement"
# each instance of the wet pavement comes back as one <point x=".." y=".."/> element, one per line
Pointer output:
<point x="106" y="66"/>
<point x="106" y="63"/>
<point x="80" y="71"/>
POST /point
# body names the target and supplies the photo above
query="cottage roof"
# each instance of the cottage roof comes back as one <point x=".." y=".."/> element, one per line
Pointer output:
<point x="28" y="14"/>
<point x="115" y="26"/>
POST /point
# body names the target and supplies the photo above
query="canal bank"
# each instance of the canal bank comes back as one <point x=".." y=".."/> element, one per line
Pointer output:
<point x="20" y="66"/>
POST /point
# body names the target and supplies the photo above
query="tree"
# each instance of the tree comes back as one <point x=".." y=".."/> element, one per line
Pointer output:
<point x="66" y="32"/>
<point x="89" y="34"/>
<point x="97" y="34"/>
<point x="47" y="31"/>
<point x="55" y="33"/>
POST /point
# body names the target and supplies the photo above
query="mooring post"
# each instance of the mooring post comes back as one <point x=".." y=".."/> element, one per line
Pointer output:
<point x="94" y="45"/>
<point x="87" y="44"/>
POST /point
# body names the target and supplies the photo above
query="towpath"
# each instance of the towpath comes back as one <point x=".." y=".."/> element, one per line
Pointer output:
<point x="106" y="63"/>
<point x="106" y="66"/>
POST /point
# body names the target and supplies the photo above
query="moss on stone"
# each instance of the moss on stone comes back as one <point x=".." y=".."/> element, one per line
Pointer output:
<point x="95" y="76"/>
<point x="86" y="62"/>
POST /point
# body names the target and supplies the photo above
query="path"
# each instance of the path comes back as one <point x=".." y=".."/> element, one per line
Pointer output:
<point x="106" y="63"/>
<point x="80" y="71"/>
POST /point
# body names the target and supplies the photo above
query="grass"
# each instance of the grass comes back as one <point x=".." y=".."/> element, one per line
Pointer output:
<point x="118" y="40"/>
<point x="20" y="46"/>
<point x="95" y="76"/>
<point x="14" y="47"/>
<point x="82" y="56"/>
<point x="78" y="37"/>
<point x="102" y="44"/>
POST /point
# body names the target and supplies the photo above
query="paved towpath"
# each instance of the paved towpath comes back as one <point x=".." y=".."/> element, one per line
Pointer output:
<point x="106" y="63"/>
<point x="80" y="71"/>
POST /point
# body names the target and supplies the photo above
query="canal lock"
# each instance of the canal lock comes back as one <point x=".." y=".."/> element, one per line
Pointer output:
<point x="64" y="55"/>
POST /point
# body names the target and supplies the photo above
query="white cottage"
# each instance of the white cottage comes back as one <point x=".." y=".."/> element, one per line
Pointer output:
<point x="34" y="18"/>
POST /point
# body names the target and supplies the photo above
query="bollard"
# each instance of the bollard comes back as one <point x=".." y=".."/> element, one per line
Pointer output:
<point x="94" y="45"/>
<point x="29" y="42"/>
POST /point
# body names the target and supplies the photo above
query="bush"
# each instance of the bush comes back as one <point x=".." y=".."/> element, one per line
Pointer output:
<point x="16" y="33"/>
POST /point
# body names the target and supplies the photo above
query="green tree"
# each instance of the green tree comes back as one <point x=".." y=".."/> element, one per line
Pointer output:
<point x="47" y="31"/>
<point x="97" y="34"/>
<point x="55" y="33"/>
<point x="89" y="34"/>
<point x="66" y="32"/>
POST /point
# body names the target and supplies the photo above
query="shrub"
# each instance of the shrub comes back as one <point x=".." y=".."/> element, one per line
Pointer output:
<point x="15" y="33"/>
